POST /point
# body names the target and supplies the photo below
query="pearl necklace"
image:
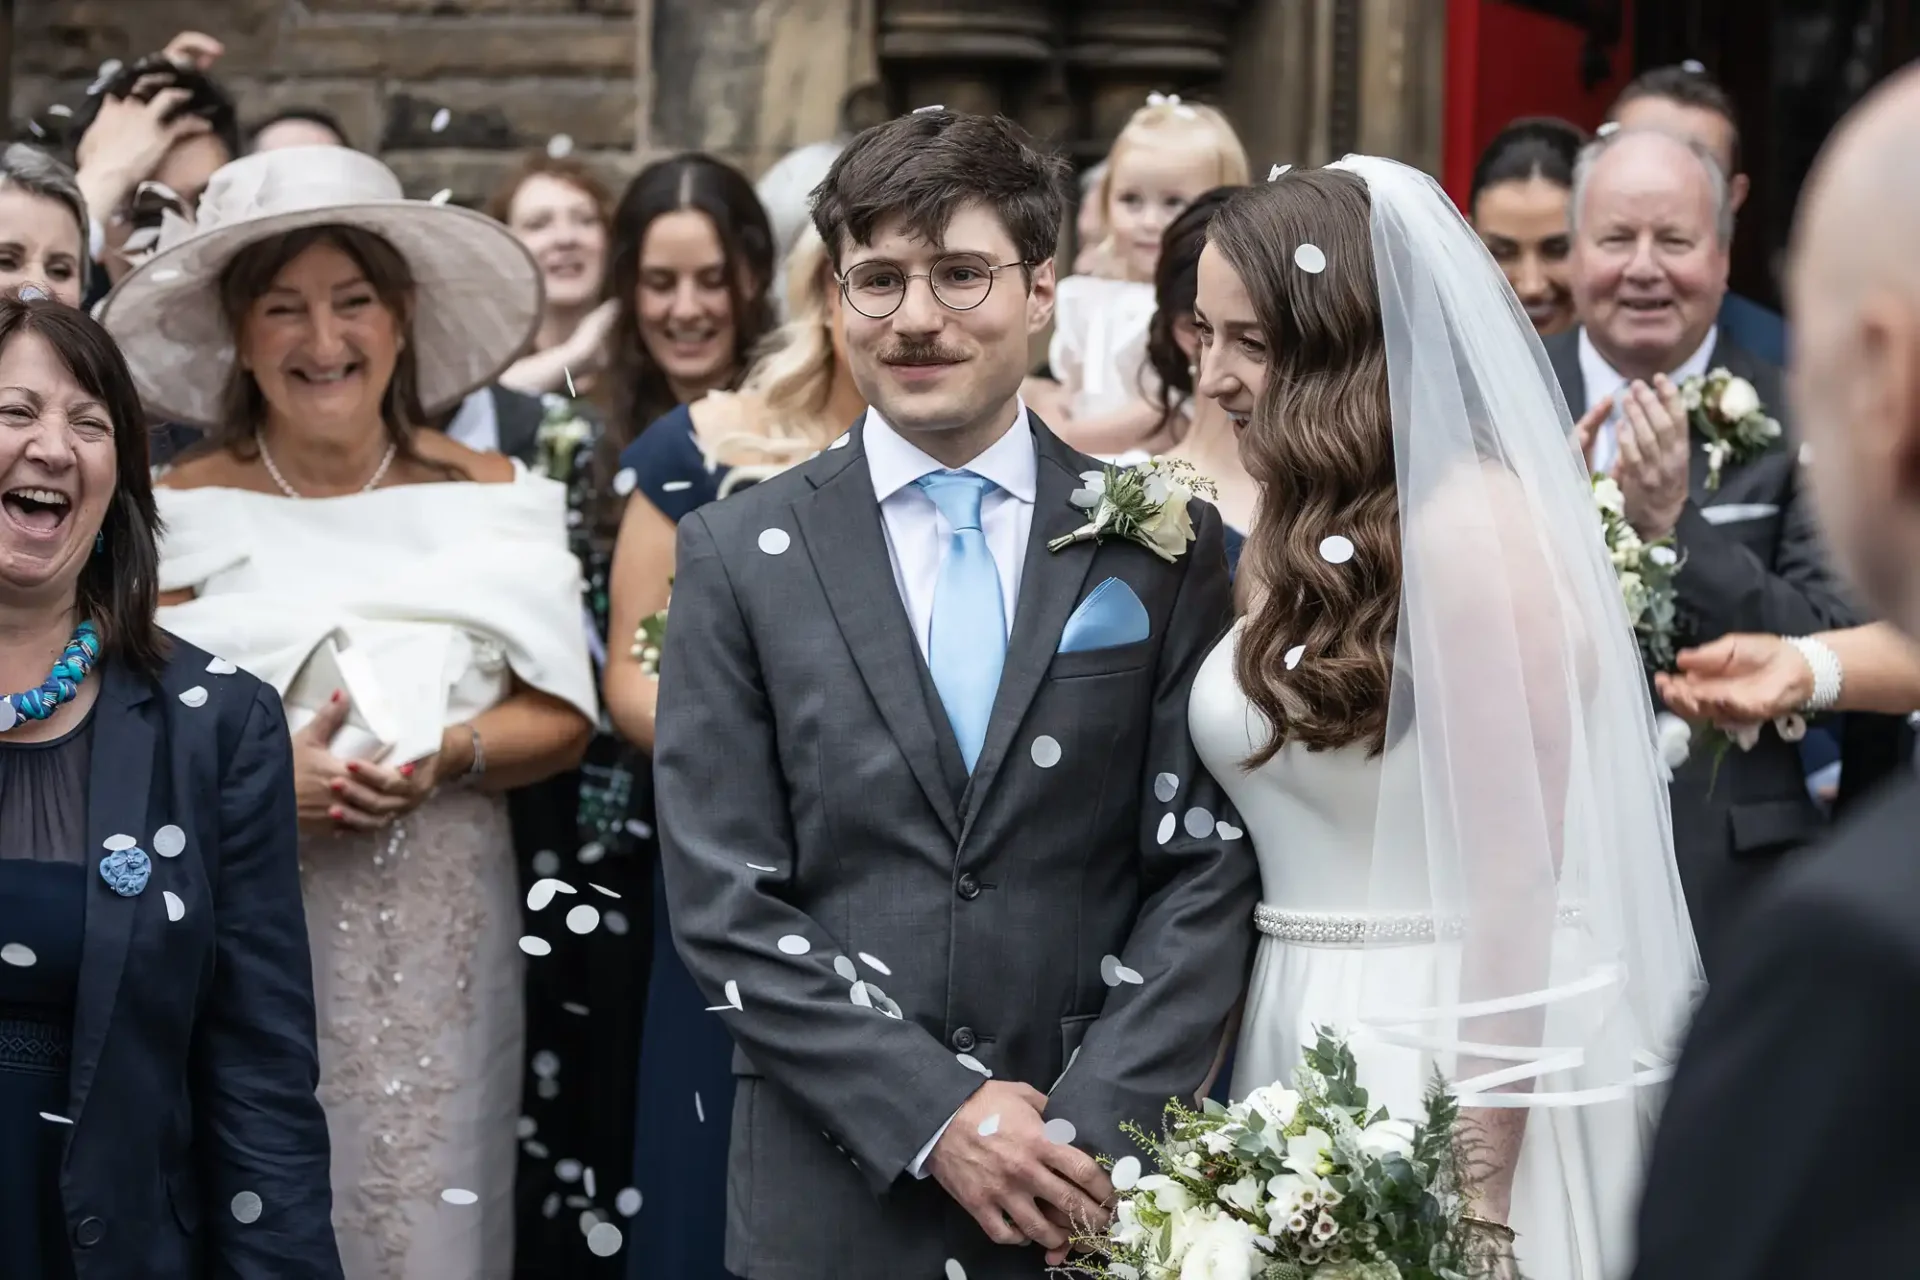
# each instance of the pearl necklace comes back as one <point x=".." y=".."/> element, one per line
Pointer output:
<point x="379" y="472"/>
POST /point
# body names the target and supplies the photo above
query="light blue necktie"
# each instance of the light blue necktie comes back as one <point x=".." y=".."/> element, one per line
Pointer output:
<point x="967" y="641"/>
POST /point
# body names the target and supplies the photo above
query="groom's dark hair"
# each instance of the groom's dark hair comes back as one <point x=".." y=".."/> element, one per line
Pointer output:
<point x="926" y="166"/>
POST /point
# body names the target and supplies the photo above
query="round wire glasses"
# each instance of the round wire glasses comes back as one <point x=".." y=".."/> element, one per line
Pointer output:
<point x="960" y="282"/>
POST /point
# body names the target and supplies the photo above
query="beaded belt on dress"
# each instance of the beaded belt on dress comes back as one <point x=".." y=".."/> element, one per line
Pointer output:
<point x="1361" y="928"/>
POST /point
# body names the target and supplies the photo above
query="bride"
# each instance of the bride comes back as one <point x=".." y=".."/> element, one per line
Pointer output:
<point x="1432" y="717"/>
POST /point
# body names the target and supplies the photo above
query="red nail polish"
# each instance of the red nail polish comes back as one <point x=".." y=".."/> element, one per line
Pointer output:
<point x="336" y="813"/>
<point x="335" y="697"/>
<point x="353" y="767"/>
<point x="406" y="771"/>
<point x="338" y="785"/>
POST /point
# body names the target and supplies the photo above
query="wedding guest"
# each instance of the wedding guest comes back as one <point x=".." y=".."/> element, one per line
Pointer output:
<point x="1687" y="103"/>
<point x="1795" y="1088"/>
<point x="561" y="211"/>
<point x="1090" y="226"/>
<point x="415" y="606"/>
<point x="1203" y="432"/>
<point x="157" y="1066"/>
<point x="43" y="224"/>
<point x="1519" y="207"/>
<point x="1652" y="218"/>
<point x="297" y="127"/>
<point x="1752" y="679"/>
<point x="798" y="398"/>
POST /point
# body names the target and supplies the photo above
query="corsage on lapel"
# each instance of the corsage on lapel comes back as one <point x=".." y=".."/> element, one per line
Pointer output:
<point x="126" y="868"/>
<point x="1146" y="504"/>
<point x="1726" y="410"/>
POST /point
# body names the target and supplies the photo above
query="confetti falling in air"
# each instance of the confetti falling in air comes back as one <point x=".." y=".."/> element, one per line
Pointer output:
<point x="602" y="889"/>
<point x="38" y="130"/>
<point x="442" y="196"/>
<point x="936" y="106"/>
<point x="844" y="967"/>
<point x="176" y="909"/>
<point x="246" y="1207"/>
<point x="1060" y="1131"/>
<point x="527" y="1127"/>
<point x="1129" y="976"/>
<point x="575" y="1008"/>
<point x="774" y="541"/>
<point x="559" y="146"/>
<point x="538" y="1150"/>
<point x="972" y="1063"/>
<point x="676" y="486"/>
<point x="1126" y="1173"/>
<point x="616" y="922"/>
<point x="1227" y="831"/>
<point x="51" y="1118"/>
<point x="1310" y="258"/>
<point x="591" y="852"/>
<point x="571" y="393"/>
<point x="458" y="1195"/>
<point x="546" y="862"/>
<point x="955" y="1271"/>
<point x="1167" y="824"/>
<point x="990" y="1126"/>
<point x="583" y="918"/>
<point x="794" y="945"/>
<point x="754" y="866"/>
<point x="1336" y="549"/>
<point x="60" y="109"/>
<point x="868" y="960"/>
<point x="1165" y="787"/>
<point x="543" y="890"/>
<point x="568" y="1170"/>
<point x="1273" y="174"/>
<point x="1693" y="66"/>
<point x="732" y="991"/>
<point x="624" y="481"/>
<point x="536" y="946"/>
<point x="1110" y="967"/>
<point x="196" y="696"/>
<point x="19" y="955"/>
<point x="699" y="1107"/>
<point x="1199" y="823"/>
<point x="114" y="844"/>
<point x="587" y="1181"/>
<point x="1045" y="751"/>
<point x="627" y="1203"/>
<point x="546" y="1064"/>
<point x="441" y="119"/>
<point x="604" y="1240"/>
<point x="1293" y="656"/>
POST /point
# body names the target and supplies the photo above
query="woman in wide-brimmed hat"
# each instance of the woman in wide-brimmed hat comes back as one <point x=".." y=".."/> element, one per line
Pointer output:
<point x="416" y="606"/>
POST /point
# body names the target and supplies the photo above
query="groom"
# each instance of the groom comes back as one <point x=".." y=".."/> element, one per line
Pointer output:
<point x="935" y="836"/>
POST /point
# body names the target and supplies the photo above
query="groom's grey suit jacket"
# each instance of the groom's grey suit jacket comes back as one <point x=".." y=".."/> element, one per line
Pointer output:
<point x="810" y="788"/>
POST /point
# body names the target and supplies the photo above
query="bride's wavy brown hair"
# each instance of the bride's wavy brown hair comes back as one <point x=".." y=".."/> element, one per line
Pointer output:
<point x="1320" y="444"/>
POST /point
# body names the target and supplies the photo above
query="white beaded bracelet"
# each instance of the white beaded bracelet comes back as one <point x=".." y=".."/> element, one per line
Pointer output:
<point x="1827" y="673"/>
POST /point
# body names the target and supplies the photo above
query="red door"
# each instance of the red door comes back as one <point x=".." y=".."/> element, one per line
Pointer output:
<point x="1508" y="59"/>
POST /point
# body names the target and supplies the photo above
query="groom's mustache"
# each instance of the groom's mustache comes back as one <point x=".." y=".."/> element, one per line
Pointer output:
<point x="920" y="353"/>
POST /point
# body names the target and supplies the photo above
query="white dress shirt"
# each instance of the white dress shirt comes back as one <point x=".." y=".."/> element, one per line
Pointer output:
<point x="918" y="536"/>
<point x="476" y="424"/>
<point x="1601" y="379"/>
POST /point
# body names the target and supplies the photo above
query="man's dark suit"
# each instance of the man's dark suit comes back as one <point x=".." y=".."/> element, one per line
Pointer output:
<point x="1786" y="1151"/>
<point x="1753" y="563"/>
<point x="809" y="785"/>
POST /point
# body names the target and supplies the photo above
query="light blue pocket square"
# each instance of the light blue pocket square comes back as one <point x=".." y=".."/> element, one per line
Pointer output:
<point x="1111" y="616"/>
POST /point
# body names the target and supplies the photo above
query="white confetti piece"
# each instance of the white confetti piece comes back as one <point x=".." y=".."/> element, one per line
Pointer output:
<point x="526" y="1128"/>
<point x="1060" y="1131"/>
<point x="1336" y="549"/>
<point x="1310" y="258"/>
<point x="676" y="486"/>
<point x="868" y="960"/>
<point x="176" y="909"/>
<point x="546" y="1064"/>
<point x="169" y="841"/>
<point x="920" y="111"/>
<point x="844" y="967"/>
<point x="584" y="918"/>
<point x="442" y="196"/>
<point x="860" y="995"/>
<point x="19" y="955"/>
<point x="1110" y="970"/>
<point x="1693" y="66"/>
<point x="1199" y="823"/>
<point x="842" y="442"/>
<point x="990" y="1126"/>
<point x="546" y="862"/>
<point x="221" y="667"/>
<point x="51" y="1118"/>
<point x="587" y="1182"/>
<point x="598" y="888"/>
<point x="536" y="946"/>
<point x="114" y="844"/>
<point x="567" y="1170"/>
<point x="196" y="696"/>
<point x="604" y="1240"/>
<point x="559" y="146"/>
<point x="591" y="852"/>
<point x="1165" y="787"/>
<point x="574" y="1007"/>
<point x="1227" y="831"/>
<point x="1126" y="1173"/>
<point x="1129" y="976"/>
<point x="541" y="894"/>
<point x="167" y="275"/>
<point x="624" y="481"/>
<point x="441" y="119"/>
<point x="793" y="944"/>
<point x="550" y="1207"/>
<point x="571" y="393"/>
<point x="774" y="541"/>
<point x="1167" y="825"/>
<point x="616" y="922"/>
<point x="1608" y="129"/>
<point x="732" y="991"/>
<point x="246" y="1207"/>
<point x="699" y="1107"/>
<point x="754" y="866"/>
<point x="60" y="109"/>
<point x="1273" y="174"/>
<point x="1045" y="751"/>
<point x="972" y="1063"/>
<point x="1293" y="656"/>
<point x="627" y="1203"/>
<point x="954" y="1270"/>
<point x="459" y="1195"/>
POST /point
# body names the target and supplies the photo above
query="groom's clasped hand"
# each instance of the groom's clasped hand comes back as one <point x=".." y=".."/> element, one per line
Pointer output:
<point x="998" y="1161"/>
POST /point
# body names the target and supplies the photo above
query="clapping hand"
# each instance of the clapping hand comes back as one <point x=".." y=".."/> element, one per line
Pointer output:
<point x="1737" y="680"/>
<point x="354" y="795"/>
<point x="1587" y="429"/>
<point x="1018" y="1183"/>
<point x="1654" y="449"/>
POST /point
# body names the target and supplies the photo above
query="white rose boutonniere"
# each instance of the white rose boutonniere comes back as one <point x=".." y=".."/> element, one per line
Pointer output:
<point x="563" y="429"/>
<point x="1726" y="410"/>
<point x="1146" y="504"/>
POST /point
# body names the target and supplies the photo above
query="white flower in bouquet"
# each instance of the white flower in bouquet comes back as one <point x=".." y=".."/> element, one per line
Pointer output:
<point x="1388" y="1137"/>
<point x="1275" y="1105"/>
<point x="1307" y="1154"/>
<point x="1606" y="492"/>
<point x="1126" y="1230"/>
<point x="1634" y="592"/>
<point x="1738" y="399"/>
<point x="1676" y="739"/>
<point x="1222" y="1248"/>
<point x="1243" y="1195"/>
<point x="1169" y="1197"/>
<point x="1665" y="557"/>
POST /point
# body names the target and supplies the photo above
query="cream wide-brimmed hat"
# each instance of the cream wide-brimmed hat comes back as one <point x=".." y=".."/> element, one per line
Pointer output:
<point x="477" y="290"/>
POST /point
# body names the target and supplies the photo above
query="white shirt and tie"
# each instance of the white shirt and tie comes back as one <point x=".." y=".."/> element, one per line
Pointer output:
<point x="1600" y="380"/>
<point x="919" y="535"/>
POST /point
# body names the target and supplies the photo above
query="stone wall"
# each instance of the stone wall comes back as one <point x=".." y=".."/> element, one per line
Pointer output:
<point x="511" y="74"/>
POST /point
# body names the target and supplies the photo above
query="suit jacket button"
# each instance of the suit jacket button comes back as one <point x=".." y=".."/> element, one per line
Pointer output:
<point x="969" y="887"/>
<point x="89" y="1233"/>
<point x="963" y="1039"/>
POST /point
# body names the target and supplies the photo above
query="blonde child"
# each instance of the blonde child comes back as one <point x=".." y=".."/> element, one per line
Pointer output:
<point x="1168" y="153"/>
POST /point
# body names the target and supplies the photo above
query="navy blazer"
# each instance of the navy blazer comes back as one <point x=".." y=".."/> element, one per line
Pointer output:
<point x="194" y="1063"/>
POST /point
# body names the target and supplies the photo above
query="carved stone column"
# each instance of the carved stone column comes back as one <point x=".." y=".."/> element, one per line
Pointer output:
<point x="975" y="55"/>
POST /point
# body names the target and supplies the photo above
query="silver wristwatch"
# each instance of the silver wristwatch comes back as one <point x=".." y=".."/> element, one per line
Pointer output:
<point x="1827" y="673"/>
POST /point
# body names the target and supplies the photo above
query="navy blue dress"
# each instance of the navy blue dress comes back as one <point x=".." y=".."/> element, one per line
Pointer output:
<point x="43" y="882"/>
<point x="685" y="1100"/>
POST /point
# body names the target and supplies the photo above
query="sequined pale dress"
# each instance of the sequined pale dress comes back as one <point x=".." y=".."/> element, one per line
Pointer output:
<point x="417" y="971"/>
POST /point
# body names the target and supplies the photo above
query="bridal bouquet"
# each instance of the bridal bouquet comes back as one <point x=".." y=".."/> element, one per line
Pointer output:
<point x="1308" y="1183"/>
<point x="1646" y="571"/>
<point x="649" y="638"/>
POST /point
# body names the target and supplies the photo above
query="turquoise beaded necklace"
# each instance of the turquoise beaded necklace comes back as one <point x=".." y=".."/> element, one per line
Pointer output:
<point x="61" y="684"/>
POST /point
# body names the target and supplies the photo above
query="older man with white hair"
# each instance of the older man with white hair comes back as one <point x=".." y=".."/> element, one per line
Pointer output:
<point x="1652" y="218"/>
